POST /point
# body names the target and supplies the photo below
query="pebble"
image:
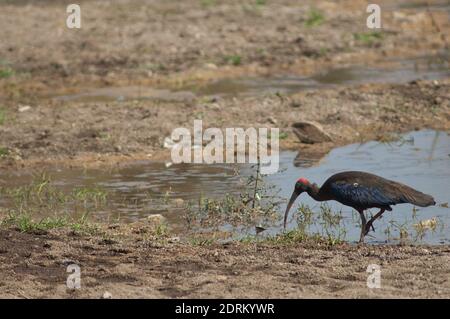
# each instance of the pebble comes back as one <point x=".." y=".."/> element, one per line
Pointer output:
<point x="107" y="295"/>
<point x="24" y="108"/>
<point x="272" y="120"/>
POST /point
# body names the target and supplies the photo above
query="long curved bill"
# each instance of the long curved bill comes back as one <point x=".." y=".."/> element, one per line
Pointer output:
<point x="289" y="205"/>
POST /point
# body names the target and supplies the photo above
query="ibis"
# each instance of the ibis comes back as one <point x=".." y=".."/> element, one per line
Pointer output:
<point x="361" y="191"/>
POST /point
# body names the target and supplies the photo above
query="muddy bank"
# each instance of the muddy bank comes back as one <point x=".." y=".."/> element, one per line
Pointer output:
<point x="171" y="46"/>
<point x="139" y="266"/>
<point x="80" y="133"/>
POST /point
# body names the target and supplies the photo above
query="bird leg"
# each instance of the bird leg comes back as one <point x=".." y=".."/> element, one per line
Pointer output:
<point x="363" y="226"/>
<point x="370" y="222"/>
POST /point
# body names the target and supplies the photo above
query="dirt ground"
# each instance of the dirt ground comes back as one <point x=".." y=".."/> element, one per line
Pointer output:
<point x="35" y="265"/>
<point x="176" y="44"/>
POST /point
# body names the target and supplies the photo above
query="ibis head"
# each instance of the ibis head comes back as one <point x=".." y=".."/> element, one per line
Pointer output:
<point x="302" y="185"/>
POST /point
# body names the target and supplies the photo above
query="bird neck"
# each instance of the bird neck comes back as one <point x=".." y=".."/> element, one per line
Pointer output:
<point x="314" y="192"/>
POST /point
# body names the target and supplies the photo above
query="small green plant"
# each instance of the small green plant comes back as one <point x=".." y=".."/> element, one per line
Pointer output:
<point x="233" y="59"/>
<point x="161" y="230"/>
<point x="315" y="18"/>
<point x="283" y="136"/>
<point x="201" y="241"/>
<point x="261" y="2"/>
<point x="324" y="224"/>
<point x="257" y="204"/>
<point x="87" y="194"/>
<point x="41" y="195"/>
<point x="208" y="3"/>
<point x="323" y="52"/>
<point x="368" y="38"/>
<point x="6" y="73"/>
<point x="25" y="223"/>
<point x="3" y="152"/>
<point x="2" y="116"/>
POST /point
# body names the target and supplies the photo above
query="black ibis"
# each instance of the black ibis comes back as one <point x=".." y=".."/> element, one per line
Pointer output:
<point x="361" y="191"/>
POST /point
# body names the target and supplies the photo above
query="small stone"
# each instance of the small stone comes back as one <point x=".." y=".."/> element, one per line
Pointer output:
<point x="174" y="240"/>
<point x="210" y="66"/>
<point x="107" y="295"/>
<point x="295" y="104"/>
<point x="24" y="108"/>
<point x="272" y="120"/>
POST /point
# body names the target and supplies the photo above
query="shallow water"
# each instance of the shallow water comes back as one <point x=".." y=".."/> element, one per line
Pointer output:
<point x="420" y="159"/>
<point x="402" y="71"/>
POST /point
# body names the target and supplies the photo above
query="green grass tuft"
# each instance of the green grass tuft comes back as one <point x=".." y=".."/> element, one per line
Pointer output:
<point x="6" y="73"/>
<point x="2" y="116"/>
<point x="233" y="59"/>
<point x="315" y="18"/>
<point x="368" y="38"/>
<point x="3" y="152"/>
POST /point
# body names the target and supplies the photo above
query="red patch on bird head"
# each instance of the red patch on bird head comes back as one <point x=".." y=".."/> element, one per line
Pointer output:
<point x="303" y="181"/>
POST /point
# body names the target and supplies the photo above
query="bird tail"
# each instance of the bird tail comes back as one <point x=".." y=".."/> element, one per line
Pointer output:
<point x="417" y="198"/>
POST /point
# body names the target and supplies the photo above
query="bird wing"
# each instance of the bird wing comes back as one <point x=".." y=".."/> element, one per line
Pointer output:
<point x="365" y="190"/>
<point x="362" y="196"/>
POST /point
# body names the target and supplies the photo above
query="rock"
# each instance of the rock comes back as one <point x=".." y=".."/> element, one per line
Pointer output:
<point x="24" y="108"/>
<point x="107" y="295"/>
<point x="310" y="133"/>
<point x="295" y="104"/>
<point x="272" y="120"/>
<point x="210" y="66"/>
<point x="67" y="262"/>
<point x="174" y="240"/>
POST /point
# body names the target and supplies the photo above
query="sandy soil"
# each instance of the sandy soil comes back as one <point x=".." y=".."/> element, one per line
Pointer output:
<point x="116" y="132"/>
<point x="136" y="266"/>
